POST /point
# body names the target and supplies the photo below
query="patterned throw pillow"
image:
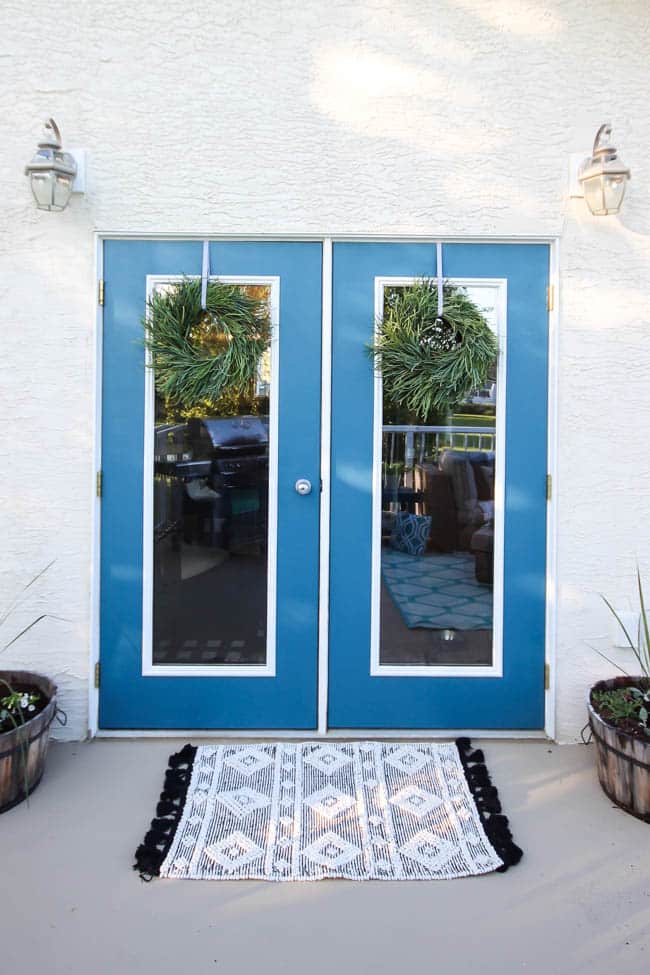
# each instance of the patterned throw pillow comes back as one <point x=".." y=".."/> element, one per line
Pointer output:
<point x="410" y="533"/>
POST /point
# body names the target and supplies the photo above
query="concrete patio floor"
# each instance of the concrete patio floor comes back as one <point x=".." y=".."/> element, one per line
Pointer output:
<point x="69" y="902"/>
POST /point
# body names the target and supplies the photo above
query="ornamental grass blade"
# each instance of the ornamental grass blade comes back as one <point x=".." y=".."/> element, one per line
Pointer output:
<point x="644" y="645"/>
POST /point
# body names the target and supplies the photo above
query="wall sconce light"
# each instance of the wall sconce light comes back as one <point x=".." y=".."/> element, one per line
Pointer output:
<point x="54" y="174"/>
<point x="602" y="176"/>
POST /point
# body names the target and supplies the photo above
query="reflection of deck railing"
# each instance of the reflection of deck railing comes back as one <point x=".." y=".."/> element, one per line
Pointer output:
<point x="410" y="445"/>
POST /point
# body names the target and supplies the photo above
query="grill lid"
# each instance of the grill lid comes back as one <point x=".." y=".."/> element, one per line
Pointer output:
<point x="231" y="433"/>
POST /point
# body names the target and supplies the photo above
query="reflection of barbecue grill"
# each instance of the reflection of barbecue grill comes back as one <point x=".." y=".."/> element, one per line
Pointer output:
<point x="234" y="456"/>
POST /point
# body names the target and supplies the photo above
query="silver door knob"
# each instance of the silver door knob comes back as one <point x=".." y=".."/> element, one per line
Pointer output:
<point x="303" y="486"/>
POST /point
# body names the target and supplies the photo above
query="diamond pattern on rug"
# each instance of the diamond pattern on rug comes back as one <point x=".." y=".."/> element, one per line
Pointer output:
<point x="415" y="800"/>
<point x="331" y="851"/>
<point x="408" y="758"/>
<point x="355" y="810"/>
<point x="249" y="760"/>
<point x="437" y="591"/>
<point x="235" y="850"/>
<point x="330" y="802"/>
<point x="327" y="759"/>
<point x="429" y="850"/>
<point x="241" y="802"/>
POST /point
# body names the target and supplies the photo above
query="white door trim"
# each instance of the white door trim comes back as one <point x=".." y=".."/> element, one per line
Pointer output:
<point x="384" y="734"/>
<point x="552" y="468"/>
<point x="95" y="500"/>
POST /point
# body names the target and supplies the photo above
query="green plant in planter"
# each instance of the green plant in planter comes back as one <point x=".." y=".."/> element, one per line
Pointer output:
<point x="21" y="702"/>
<point x="618" y="711"/>
<point x="14" y="706"/>
<point x="628" y="707"/>
<point x="624" y="705"/>
<point x="641" y="646"/>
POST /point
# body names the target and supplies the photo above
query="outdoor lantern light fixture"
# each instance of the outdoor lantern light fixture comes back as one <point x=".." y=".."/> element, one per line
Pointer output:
<point x="51" y="172"/>
<point x="602" y="176"/>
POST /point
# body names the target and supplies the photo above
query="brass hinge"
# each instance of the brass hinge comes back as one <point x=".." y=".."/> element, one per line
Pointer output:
<point x="99" y="483"/>
<point x="547" y="677"/>
<point x="97" y="672"/>
<point x="549" y="487"/>
<point x="550" y="297"/>
<point x="100" y="292"/>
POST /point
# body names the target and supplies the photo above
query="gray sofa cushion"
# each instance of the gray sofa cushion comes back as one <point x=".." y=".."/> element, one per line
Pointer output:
<point x="471" y="508"/>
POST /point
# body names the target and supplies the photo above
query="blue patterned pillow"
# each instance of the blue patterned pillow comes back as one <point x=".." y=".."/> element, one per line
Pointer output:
<point x="410" y="533"/>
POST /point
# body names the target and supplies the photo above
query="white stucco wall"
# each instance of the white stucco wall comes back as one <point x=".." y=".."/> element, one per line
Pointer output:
<point x="282" y="116"/>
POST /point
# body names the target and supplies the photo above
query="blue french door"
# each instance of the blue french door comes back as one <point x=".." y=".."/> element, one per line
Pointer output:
<point x="438" y="524"/>
<point x="209" y="554"/>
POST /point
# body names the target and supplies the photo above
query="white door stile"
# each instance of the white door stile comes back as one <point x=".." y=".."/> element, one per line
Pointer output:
<point x="325" y="484"/>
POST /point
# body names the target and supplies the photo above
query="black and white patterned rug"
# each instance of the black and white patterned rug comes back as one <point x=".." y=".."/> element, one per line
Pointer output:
<point x="357" y="810"/>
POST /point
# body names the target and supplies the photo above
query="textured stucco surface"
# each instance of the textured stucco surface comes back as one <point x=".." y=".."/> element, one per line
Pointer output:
<point x="313" y="117"/>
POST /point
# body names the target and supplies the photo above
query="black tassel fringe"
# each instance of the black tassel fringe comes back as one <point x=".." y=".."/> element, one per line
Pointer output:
<point x="486" y="799"/>
<point x="152" y="851"/>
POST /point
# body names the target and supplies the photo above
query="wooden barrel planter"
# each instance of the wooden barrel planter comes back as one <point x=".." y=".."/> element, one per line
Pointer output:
<point x="623" y="761"/>
<point x="28" y="742"/>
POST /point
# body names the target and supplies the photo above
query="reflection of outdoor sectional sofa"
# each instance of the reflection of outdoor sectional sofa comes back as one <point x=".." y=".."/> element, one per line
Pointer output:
<point x="458" y="495"/>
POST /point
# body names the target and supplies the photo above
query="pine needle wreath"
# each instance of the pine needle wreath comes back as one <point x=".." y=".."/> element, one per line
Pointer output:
<point x="430" y="364"/>
<point x="198" y="354"/>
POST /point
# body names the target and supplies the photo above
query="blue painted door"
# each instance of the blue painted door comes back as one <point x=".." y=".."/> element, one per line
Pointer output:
<point x="207" y="518"/>
<point x="452" y="635"/>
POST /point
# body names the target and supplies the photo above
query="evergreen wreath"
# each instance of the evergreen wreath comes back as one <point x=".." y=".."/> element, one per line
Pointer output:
<point x="430" y="363"/>
<point x="198" y="354"/>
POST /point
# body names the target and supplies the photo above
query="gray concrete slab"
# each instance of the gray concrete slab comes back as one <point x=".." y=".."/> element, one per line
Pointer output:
<point x="70" y="904"/>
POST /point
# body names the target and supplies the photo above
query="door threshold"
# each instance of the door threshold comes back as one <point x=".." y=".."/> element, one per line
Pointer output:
<point x="354" y="734"/>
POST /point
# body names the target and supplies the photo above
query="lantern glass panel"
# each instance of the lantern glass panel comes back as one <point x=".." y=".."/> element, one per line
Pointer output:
<point x="43" y="189"/>
<point x="614" y="191"/>
<point x="62" y="191"/>
<point x="604" y="194"/>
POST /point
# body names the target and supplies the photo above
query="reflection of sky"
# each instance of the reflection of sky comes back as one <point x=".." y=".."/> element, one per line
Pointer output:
<point x="486" y="300"/>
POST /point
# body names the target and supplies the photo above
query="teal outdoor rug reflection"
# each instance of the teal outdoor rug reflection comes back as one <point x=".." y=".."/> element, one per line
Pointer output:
<point x="437" y="591"/>
<point x="316" y="810"/>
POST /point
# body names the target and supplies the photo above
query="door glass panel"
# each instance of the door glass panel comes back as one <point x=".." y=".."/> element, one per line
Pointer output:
<point x="211" y="525"/>
<point x="438" y="528"/>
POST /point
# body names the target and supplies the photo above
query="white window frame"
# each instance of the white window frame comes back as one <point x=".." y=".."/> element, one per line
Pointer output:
<point x="149" y="669"/>
<point x="377" y="669"/>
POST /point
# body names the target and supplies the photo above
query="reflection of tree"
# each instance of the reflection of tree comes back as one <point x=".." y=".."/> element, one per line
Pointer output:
<point x="462" y="415"/>
<point x="230" y="404"/>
